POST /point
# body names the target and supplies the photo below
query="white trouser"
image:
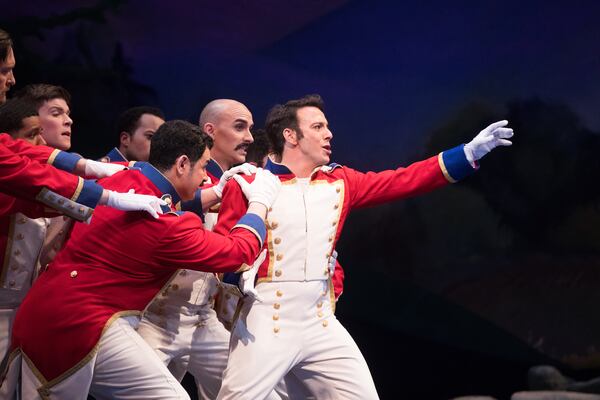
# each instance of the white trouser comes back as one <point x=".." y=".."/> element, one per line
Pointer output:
<point x="293" y="330"/>
<point x="9" y="381"/>
<point x="124" y="367"/>
<point x="190" y="339"/>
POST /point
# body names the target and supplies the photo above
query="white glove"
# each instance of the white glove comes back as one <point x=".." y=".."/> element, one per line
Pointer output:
<point x="487" y="140"/>
<point x="135" y="202"/>
<point x="101" y="169"/>
<point x="247" y="279"/>
<point x="246" y="169"/>
<point x="264" y="189"/>
<point x="331" y="263"/>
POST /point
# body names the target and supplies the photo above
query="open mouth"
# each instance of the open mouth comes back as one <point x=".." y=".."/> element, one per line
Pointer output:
<point x="66" y="134"/>
<point x="327" y="148"/>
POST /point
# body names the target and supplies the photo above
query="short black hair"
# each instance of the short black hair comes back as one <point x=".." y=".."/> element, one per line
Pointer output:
<point x="283" y="116"/>
<point x="129" y="120"/>
<point x="12" y="114"/>
<point x="174" y="139"/>
<point x="39" y="93"/>
<point x="5" y="44"/>
<point x="258" y="149"/>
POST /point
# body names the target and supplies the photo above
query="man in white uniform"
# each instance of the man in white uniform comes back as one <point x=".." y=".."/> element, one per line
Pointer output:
<point x="293" y="330"/>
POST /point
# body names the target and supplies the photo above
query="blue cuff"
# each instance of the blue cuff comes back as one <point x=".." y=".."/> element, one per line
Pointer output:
<point x="255" y="224"/>
<point x="90" y="194"/>
<point x="66" y="161"/>
<point x="454" y="164"/>
<point x="194" y="205"/>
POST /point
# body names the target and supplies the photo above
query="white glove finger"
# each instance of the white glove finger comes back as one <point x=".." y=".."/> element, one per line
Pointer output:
<point x="261" y="258"/>
<point x="504" y="142"/>
<point x="253" y="293"/>
<point x="497" y="124"/>
<point x="150" y="210"/>
<point x="503" y="133"/>
<point x="247" y="169"/>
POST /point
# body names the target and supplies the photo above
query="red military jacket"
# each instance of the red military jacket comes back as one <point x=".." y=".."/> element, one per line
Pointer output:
<point x="25" y="175"/>
<point x="115" y="266"/>
<point x="305" y="222"/>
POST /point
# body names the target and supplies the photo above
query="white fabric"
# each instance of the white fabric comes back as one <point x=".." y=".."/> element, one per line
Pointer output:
<point x="294" y="331"/>
<point x="135" y="202"/>
<point x="99" y="169"/>
<point x="263" y="189"/>
<point x="488" y="139"/>
<point x="124" y="367"/>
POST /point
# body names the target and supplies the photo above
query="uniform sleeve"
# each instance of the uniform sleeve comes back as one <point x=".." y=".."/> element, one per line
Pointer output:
<point x="22" y="177"/>
<point x="10" y="205"/>
<point x="371" y="188"/>
<point x="233" y="207"/>
<point x="186" y="244"/>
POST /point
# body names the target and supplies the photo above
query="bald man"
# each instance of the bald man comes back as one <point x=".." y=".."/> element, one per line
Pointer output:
<point x="181" y="324"/>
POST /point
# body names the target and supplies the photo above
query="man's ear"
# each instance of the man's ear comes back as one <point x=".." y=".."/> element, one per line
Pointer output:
<point x="290" y="136"/>
<point x="181" y="164"/>
<point x="124" y="139"/>
<point x="209" y="129"/>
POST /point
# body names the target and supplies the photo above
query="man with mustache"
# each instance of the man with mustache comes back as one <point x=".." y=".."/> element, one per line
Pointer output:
<point x="293" y="329"/>
<point x="181" y="323"/>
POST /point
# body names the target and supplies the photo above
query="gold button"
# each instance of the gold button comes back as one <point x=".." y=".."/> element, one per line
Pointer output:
<point x="274" y="225"/>
<point x="276" y="306"/>
<point x="276" y="329"/>
<point x="279" y="293"/>
<point x="21" y="220"/>
<point x="320" y="304"/>
<point x="330" y="238"/>
<point x="334" y="223"/>
<point x="20" y="236"/>
<point x="11" y="283"/>
<point x="277" y="240"/>
<point x="325" y="323"/>
<point x="337" y="190"/>
<point x="17" y="252"/>
<point x="278" y="272"/>
<point x="275" y="317"/>
<point x="336" y="206"/>
<point x="174" y="286"/>
<point x="279" y="257"/>
<point x="73" y="274"/>
<point x="320" y="314"/>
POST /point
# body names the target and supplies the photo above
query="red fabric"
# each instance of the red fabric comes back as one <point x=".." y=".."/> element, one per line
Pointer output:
<point x="23" y="172"/>
<point x="361" y="190"/>
<point x="122" y="260"/>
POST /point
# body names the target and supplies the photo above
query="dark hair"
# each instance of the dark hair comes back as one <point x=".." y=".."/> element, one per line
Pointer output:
<point x="12" y="114"/>
<point x="39" y="93"/>
<point x="286" y="116"/>
<point x="258" y="149"/>
<point x="129" y="120"/>
<point x="5" y="45"/>
<point x="174" y="139"/>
